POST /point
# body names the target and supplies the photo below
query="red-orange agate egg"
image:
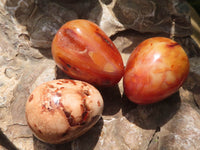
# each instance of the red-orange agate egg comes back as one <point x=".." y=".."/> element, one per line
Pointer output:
<point x="83" y="51"/>
<point x="156" y="69"/>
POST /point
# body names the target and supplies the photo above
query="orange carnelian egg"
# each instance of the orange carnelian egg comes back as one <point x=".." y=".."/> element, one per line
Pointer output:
<point x="83" y="51"/>
<point x="155" y="70"/>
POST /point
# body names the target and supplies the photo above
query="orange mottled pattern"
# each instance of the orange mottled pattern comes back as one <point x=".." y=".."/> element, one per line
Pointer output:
<point x="61" y="110"/>
<point x="83" y="51"/>
<point x="155" y="70"/>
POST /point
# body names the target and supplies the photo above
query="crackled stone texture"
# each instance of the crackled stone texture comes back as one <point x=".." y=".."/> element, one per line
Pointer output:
<point x="27" y="28"/>
<point x="44" y="18"/>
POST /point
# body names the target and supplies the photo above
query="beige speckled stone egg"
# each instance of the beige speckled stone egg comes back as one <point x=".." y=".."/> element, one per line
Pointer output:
<point x="61" y="110"/>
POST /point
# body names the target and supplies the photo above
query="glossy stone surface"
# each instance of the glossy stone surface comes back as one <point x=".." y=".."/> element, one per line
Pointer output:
<point x="61" y="110"/>
<point x="171" y="124"/>
<point x="156" y="69"/>
<point x="83" y="51"/>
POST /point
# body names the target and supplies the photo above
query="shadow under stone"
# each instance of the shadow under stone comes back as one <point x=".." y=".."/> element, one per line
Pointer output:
<point x="89" y="140"/>
<point x="151" y="116"/>
<point x="112" y="100"/>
